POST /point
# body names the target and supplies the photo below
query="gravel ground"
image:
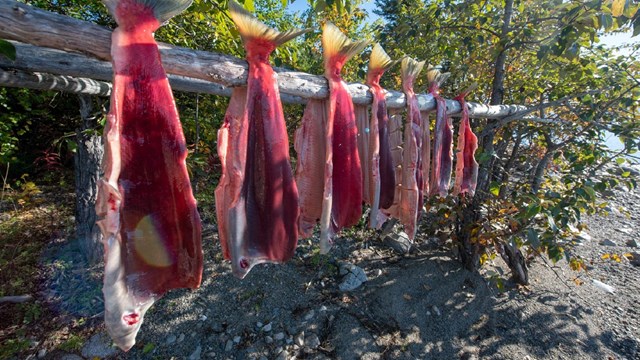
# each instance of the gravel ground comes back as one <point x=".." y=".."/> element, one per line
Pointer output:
<point x="416" y="306"/>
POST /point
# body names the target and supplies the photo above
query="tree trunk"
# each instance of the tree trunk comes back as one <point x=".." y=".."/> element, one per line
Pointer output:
<point x="540" y="168"/>
<point x="468" y="247"/>
<point x="87" y="171"/>
<point x="514" y="259"/>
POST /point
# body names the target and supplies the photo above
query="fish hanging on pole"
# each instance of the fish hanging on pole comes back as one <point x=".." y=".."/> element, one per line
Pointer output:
<point x="442" y="163"/>
<point x="396" y="145"/>
<point x="310" y="145"/>
<point x="148" y="216"/>
<point x="411" y="189"/>
<point x="364" y="137"/>
<point x="380" y="185"/>
<point x="342" y="197"/>
<point x="466" y="164"/>
<point x="257" y="197"/>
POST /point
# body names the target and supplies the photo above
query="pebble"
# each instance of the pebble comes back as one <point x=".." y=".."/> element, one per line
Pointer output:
<point x="98" y="346"/>
<point x="607" y="242"/>
<point x="299" y="340"/>
<point x="195" y="355"/>
<point x="229" y="346"/>
<point x="236" y="339"/>
<point x="312" y="341"/>
<point x="354" y="276"/>
<point x="436" y="310"/>
<point x="584" y="236"/>
<point x="279" y="336"/>
<point x="625" y="230"/>
<point x="283" y="355"/>
<point x="203" y="317"/>
<point x="267" y="327"/>
<point x="259" y="325"/>
<point x="633" y="243"/>
<point x="181" y="337"/>
<point x="310" y="315"/>
<point x="42" y="353"/>
<point x="399" y="242"/>
<point x="268" y="339"/>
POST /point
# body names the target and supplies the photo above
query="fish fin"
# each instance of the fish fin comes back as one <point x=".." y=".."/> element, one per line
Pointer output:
<point x="435" y="77"/>
<point x="411" y="68"/>
<point x="466" y="91"/>
<point x="163" y="10"/>
<point x="379" y="59"/>
<point x="334" y="42"/>
<point x="250" y="27"/>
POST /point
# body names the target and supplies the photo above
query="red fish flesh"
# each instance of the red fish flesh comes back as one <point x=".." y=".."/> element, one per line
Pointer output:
<point x="310" y="144"/>
<point x="148" y="215"/>
<point x="466" y="164"/>
<point x="342" y="198"/>
<point x="411" y="192"/>
<point x="382" y="181"/>
<point x="396" y="145"/>
<point x="364" y="138"/>
<point x="426" y="153"/>
<point x="443" y="139"/>
<point x="257" y="199"/>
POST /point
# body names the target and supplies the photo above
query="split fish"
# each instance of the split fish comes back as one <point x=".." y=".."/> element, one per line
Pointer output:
<point x="146" y="209"/>
<point x="411" y="189"/>
<point x="443" y="138"/>
<point x="257" y="197"/>
<point x="342" y="197"/>
<point x="466" y="164"/>
<point x="380" y="185"/>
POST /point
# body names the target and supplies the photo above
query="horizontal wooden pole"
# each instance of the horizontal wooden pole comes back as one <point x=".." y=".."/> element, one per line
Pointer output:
<point x="34" y="26"/>
<point x="42" y="81"/>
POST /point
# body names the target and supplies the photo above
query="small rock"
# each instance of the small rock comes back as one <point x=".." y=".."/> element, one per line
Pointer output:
<point x="217" y="327"/>
<point x="633" y="243"/>
<point x="259" y="325"/>
<point x="203" y="318"/>
<point x="42" y="353"/>
<point x="354" y="276"/>
<point x="278" y="350"/>
<point x="181" y="337"/>
<point x="309" y="315"/>
<point x="236" y="339"/>
<point x="171" y="339"/>
<point x="99" y="345"/>
<point x="283" y="355"/>
<point x="312" y="341"/>
<point x="195" y="355"/>
<point x="263" y="358"/>
<point x="379" y="272"/>
<point x="436" y="310"/>
<point x="268" y="339"/>
<point x="299" y="340"/>
<point x="625" y="230"/>
<point x="607" y="242"/>
<point x="279" y="336"/>
<point x="399" y="242"/>
<point x="635" y="261"/>
<point x="584" y="236"/>
<point x="267" y="327"/>
<point x="229" y="346"/>
<point x="323" y="308"/>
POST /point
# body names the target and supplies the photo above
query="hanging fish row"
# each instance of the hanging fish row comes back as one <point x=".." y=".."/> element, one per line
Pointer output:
<point x="147" y="212"/>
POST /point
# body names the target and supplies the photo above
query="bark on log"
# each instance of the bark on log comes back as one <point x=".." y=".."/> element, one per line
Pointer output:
<point x="42" y="81"/>
<point x="24" y="23"/>
<point x="87" y="173"/>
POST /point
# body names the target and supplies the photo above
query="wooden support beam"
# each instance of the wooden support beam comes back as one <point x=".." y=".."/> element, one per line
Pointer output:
<point x="21" y="22"/>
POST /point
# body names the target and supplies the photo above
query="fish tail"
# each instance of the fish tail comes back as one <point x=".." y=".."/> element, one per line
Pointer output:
<point x="411" y="68"/>
<point x="436" y="78"/>
<point x="252" y="28"/>
<point x="379" y="59"/>
<point x="337" y="47"/>
<point x="163" y="10"/>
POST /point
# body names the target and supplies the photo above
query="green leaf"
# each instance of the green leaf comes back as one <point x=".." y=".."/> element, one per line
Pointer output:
<point x="148" y="347"/>
<point x="532" y="238"/>
<point x="494" y="188"/>
<point x="552" y="223"/>
<point x="7" y="49"/>
<point x="620" y="161"/>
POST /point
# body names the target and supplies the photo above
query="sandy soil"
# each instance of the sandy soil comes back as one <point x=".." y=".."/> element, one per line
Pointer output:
<point x="416" y="306"/>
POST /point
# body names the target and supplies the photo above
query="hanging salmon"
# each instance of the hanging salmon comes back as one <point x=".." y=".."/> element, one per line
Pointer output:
<point x="381" y="183"/>
<point x="396" y="145"/>
<point x="147" y="212"/>
<point x="411" y="189"/>
<point x="342" y="198"/>
<point x="257" y="197"/>
<point x="442" y="164"/>
<point x="364" y="138"/>
<point x="466" y="164"/>
<point x="426" y="153"/>
<point x="310" y="144"/>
